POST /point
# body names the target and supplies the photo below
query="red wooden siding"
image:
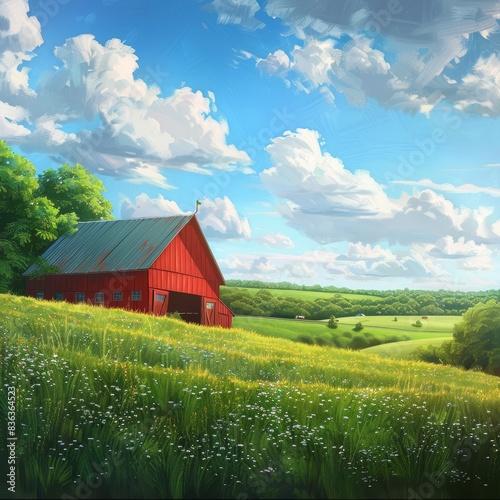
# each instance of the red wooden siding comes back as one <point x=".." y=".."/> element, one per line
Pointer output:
<point x="90" y="284"/>
<point x="184" y="266"/>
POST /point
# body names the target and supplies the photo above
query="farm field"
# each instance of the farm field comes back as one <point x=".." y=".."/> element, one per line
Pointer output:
<point x="309" y="294"/>
<point x="404" y="350"/>
<point x="114" y="404"/>
<point x="379" y="325"/>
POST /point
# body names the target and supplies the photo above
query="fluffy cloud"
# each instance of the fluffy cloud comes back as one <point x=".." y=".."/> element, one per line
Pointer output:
<point x="20" y="34"/>
<point x="468" y="254"/>
<point x="218" y="218"/>
<point x="138" y="135"/>
<point x="426" y="47"/>
<point x="277" y="240"/>
<point x="450" y="188"/>
<point x="360" y="262"/>
<point x="329" y="203"/>
<point x="143" y="206"/>
<point x="277" y="64"/>
<point x="479" y="91"/>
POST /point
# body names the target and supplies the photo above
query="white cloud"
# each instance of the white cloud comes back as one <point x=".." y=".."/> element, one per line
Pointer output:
<point x="137" y="135"/>
<point x="450" y="188"/>
<point x="20" y="34"/>
<point x="262" y="266"/>
<point x="425" y="47"/>
<point x="448" y="248"/>
<point x="479" y="91"/>
<point x="277" y="240"/>
<point x="467" y="254"/>
<point x="358" y="251"/>
<point x="277" y="64"/>
<point x="218" y="218"/>
<point x="143" y="206"/>
<point x="9" y="116"/>
<point x="317" y="183"/>
<point x="329" y="203"/>
<point x="372" y="263"/>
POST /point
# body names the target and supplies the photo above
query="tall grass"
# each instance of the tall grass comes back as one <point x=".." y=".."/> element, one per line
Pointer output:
<point x="112" y="404"/>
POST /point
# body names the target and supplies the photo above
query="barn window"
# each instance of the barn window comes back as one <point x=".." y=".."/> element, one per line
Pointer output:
<point x="210" y="305"/>
<point x="39" y="294"/>
<point x="136" y="295"/>
<point x="99" y="298"/>
<point x="80" y="296"/>
<point x="118" y="296"/>
<point x="58" y="296"/>
<point x="160" y="297"/>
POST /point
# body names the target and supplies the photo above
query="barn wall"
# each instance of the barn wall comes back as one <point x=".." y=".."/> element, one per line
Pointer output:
<point x="185" y="266"/>
<point x="90" y="284"/>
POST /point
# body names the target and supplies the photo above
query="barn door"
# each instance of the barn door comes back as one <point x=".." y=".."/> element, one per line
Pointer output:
<point x="160" y="302"/>
<point x="208" y="311"/>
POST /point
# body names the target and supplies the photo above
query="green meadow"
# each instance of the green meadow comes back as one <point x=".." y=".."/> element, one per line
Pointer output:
<point x="308" y="294"/>
<point x="114" y="404"/>
<point x="434" y="330"/>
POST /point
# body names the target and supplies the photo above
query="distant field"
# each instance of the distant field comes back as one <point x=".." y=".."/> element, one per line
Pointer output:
<point x="378" y="325"/>
<point x="310" y="295"/>
<point x="403" y="350"/>
<point x="433" y="324"/>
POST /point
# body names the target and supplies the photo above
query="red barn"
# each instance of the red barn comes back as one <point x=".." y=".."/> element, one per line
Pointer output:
<point x="157" y="265"/>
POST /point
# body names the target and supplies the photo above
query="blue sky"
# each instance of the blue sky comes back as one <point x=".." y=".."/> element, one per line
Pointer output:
<point x="353" y="143"/>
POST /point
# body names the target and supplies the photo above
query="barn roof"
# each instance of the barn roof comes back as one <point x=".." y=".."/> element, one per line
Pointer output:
<point x="115" y="245"/>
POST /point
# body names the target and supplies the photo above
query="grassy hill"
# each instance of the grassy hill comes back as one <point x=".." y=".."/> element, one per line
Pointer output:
<point x="434" y="330"/>
<point x="112" y="404"/>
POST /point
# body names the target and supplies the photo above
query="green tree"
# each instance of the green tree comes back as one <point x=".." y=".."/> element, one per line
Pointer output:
<point x="31" y="220"/>
<point x="333" y="322"/>
<point x="74" y="189"/>
<point x="477" y="337"/>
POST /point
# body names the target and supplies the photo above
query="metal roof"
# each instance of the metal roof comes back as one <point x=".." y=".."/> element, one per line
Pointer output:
<point x="113" y="245"/>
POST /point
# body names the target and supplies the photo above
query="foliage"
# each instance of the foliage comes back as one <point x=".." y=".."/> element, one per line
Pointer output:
<point x="358" y="327"/>
<point x="417" y="323"/>
<point x="477" y="337"/>
<point x="74" y="189"/>
<point x="34" y="215"/>
<point x="476" y="341"/>
<point x="333" y="322"/>
<point x="325" y="302"/>
<point x="113" y="404"/>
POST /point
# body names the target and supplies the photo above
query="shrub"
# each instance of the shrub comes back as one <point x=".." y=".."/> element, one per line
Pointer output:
<point x="417" y="323"/>
<point x="321" y="341"/>
<point x="359" y="341"/>
<point x="359" y="326"/>
<point x="333" y="322"/>
<point x="306" y="339"/>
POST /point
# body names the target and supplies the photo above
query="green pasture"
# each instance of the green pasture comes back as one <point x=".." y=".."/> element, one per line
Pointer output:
<point x="114" y="404"/>
<point x="310" y="294"/>
<point x="404" y="350"/>
<point x="378" y="325"/>
<point x="432" y="324"/>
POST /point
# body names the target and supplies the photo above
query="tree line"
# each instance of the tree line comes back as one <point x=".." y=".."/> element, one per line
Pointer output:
<point x="396" y="302"/>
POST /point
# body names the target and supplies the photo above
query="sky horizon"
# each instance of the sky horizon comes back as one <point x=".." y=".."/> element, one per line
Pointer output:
<point x="347" y="143"/>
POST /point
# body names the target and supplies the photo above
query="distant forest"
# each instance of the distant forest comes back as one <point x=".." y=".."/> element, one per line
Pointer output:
<point x="382" y="302"/>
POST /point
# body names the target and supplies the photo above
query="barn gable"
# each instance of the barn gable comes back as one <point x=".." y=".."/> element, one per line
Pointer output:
<point x="156" y="265"/>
